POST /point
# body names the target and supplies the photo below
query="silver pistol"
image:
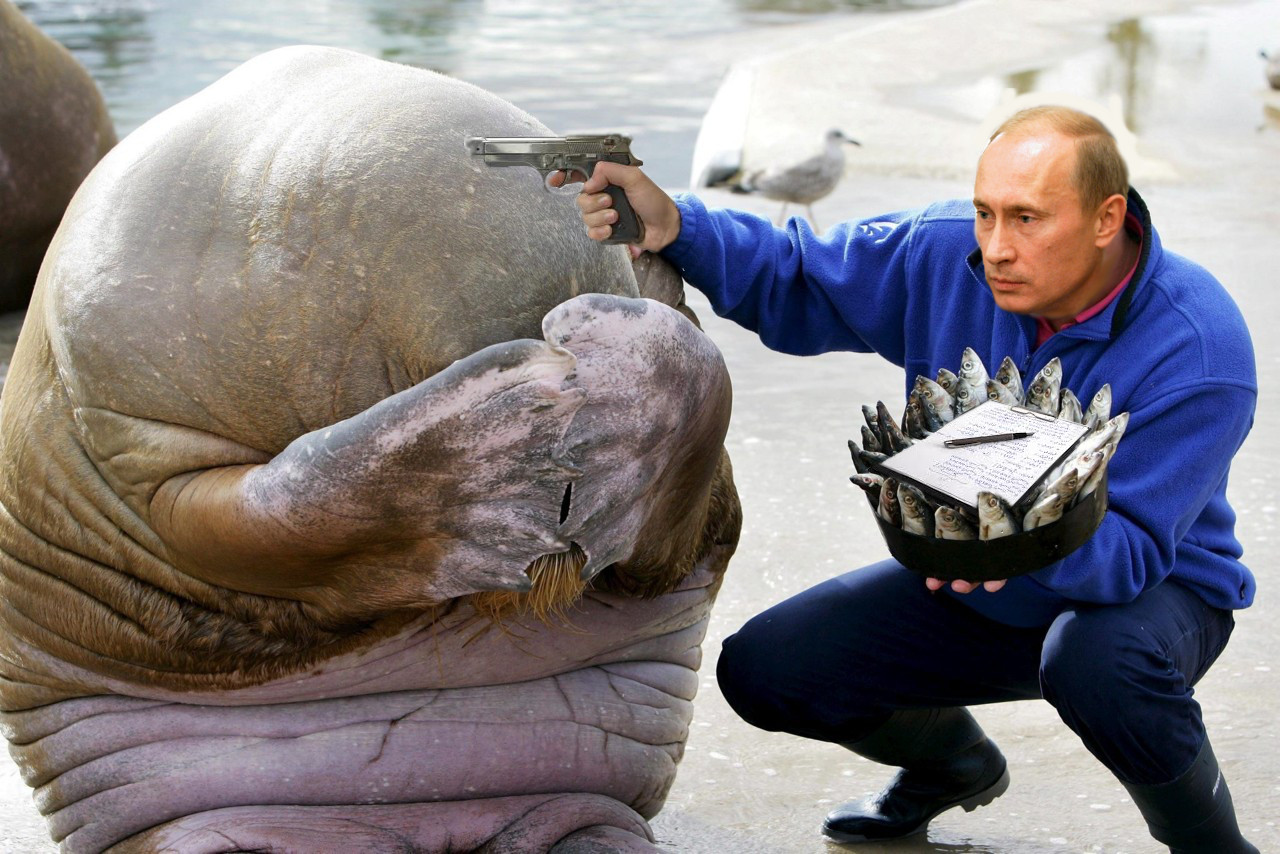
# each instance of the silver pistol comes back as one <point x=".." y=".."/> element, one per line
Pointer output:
<point x="568" y="154"/>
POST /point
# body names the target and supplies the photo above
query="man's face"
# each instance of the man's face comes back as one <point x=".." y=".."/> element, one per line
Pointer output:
<point x="1040" y="250"/>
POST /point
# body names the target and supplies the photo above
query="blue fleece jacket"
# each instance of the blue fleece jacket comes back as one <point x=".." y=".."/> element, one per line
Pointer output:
<point x="910" y="286"/>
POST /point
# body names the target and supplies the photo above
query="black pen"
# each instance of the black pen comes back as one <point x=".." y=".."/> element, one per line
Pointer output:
<point x="982" y="440"/>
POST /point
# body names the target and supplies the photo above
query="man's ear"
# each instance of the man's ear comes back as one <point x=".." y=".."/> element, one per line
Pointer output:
<point x="1110" y="219"/>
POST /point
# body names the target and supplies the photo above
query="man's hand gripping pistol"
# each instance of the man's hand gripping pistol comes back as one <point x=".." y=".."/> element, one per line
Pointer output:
<point x="568" y="154"/>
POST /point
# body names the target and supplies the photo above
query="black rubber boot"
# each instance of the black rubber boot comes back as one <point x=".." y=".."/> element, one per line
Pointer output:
<point x="946" y="762"/>
<point x="1194" y="813"/>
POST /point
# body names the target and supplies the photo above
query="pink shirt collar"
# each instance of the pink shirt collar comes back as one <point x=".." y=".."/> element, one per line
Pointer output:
<point x="1044" y="331"/>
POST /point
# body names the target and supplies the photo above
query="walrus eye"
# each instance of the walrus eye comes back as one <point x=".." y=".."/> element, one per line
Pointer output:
<point x="564" y="505"/>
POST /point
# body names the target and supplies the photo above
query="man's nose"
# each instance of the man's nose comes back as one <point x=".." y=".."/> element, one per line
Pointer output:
<point x="998" y="247"/>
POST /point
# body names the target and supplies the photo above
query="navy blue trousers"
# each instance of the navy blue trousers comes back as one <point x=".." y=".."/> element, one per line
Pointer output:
<point x="832" y="662"/>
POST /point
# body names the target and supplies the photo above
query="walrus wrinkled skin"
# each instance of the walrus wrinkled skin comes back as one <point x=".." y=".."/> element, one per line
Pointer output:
<point x="53" y="128"/>
<point x="304" y="399"/>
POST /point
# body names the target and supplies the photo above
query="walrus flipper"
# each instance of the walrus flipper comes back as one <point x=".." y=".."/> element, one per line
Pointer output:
<point x="647" y="438"/>
<point x="450" y="487"/>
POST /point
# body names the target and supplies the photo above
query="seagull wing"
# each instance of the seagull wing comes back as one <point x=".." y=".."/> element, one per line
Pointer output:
<point x="805" y="182"/>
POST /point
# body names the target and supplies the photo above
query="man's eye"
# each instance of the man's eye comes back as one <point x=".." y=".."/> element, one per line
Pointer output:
<point x="982" y="214"/>
<point x="1026" y="219"/>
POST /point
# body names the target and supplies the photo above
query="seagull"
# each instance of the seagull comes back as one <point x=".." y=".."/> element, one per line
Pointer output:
<point x="804" y="182"/>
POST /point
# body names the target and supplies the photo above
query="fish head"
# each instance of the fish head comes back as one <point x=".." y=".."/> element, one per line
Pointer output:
<point x="889" y="492"/>
<point x="1100" y="404"/>
<point x="991" y="507"/>
<point x="910" y="500"/>
<point x="971" y="367"/>
<point x="1087" y="464"/>
<point x="947" y="517"/>
<point x="930" y="392"/>
<point x="1008" y="371"/>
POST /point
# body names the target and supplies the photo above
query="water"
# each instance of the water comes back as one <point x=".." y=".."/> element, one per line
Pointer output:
<point x="1173" y="76"/>
<point x="644" y="67"/>
<point x="648" y="68"/>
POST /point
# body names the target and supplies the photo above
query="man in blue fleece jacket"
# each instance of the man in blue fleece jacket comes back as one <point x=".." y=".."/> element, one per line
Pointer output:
<point x="1054" y="257"/>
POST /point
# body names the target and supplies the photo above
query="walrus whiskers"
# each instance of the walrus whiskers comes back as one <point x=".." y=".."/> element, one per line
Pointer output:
<point x="556" y="587"/>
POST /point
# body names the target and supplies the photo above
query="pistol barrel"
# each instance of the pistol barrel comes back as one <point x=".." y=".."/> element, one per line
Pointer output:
<point x="573" y="145"/>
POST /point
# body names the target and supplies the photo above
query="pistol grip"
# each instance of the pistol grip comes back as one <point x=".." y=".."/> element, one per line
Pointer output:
<point x="629" y="228"/>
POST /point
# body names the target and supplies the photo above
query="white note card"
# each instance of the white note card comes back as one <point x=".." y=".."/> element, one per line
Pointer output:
<point x="1010" y="468"/>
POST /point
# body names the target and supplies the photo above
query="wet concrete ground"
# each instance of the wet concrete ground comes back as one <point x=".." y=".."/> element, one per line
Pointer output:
<point x="1214" y="192"/>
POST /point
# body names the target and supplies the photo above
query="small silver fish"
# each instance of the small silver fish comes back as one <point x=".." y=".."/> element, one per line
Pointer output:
<point x="972" y="374"/>
<point x="938" y="404"/>
<point x="1108" y="433"/>
<point x="864" y="460"/>
<point x="1090" y="481"/>
<point x="1069" y="406"/>
<point x="892" y="439"/>
<point x="1048" y="509"/>
<point x="1099" y="410"/>
<point x="869" y="415"/>
<point x="1010" y="377"/>
<point x="870" y="482"/>
<point x="995" y="517"/>
<point x="888" y="506"/>
<point x="971" y="368"/>
<point x="917" y="516"/>
<point x="948" y="524"/>
<point x="870" y="441"/>
<point x="1064" y="485"/>
<point x="965" y="398"/>
<point x="913" y="420"/>
<point x="1043" y="393"/>
<point x="947" y="380"/>
<point x="1001" y="393"/>
<point x="1083" y="466"/>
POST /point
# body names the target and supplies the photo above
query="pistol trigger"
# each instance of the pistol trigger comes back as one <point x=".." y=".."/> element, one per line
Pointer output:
<point x="566" y="186"/>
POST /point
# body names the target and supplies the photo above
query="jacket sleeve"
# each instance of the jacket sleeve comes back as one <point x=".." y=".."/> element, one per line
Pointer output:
<point x="800" y="293"/>
<point x="1169" y="468"/>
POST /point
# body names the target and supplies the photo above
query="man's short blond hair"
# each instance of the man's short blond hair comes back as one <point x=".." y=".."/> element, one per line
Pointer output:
<point x="1100" y="171"/>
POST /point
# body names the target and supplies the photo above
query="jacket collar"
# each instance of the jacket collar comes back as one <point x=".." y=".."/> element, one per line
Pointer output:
<point x="1113" y="318"/>
<point x="1120" y="308"/>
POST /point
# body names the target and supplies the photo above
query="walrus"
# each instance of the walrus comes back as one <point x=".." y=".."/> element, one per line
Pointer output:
<point x="54" y="127"/>
<point x="351" y="499"/>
